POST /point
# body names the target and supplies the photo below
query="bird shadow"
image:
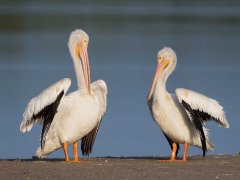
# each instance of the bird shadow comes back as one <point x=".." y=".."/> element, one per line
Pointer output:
<point x="191" y="158"/>
<point x="35" y="160"/>
<point x="149" y="157"/>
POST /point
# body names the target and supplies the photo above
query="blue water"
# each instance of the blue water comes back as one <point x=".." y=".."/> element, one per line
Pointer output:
<point x="124" y="41"/>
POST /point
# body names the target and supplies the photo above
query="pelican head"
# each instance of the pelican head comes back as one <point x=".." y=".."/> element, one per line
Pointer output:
<point x="166" y="63"/>
<point x="78" y="44"/>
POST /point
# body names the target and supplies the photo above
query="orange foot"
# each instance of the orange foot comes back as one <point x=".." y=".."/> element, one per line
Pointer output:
<point x="174" y="160"/>
<point x="75" y="161"/>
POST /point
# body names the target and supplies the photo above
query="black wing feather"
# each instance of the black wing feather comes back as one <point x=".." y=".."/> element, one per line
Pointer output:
<point x="198" y="117"/>
<point x="88" y="141"/>
<point x="48" y="114"/>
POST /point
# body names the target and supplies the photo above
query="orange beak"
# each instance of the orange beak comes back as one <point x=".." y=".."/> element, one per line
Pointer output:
<point x="83" y="53"/>
<point x="162" y="64"/>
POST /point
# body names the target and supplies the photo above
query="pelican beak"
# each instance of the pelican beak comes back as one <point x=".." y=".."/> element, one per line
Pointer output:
<point x="83" y="53"/>
<point x="162" y="64"/>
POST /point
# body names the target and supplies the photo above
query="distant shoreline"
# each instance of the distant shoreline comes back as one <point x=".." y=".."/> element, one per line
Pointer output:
<point x="209" y="167"/>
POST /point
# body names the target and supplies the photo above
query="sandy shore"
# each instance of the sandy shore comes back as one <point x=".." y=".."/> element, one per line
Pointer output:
<point x="210" y="167"/>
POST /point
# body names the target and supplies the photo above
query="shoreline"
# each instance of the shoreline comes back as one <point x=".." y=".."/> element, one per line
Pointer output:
<point x="209" y="167"/>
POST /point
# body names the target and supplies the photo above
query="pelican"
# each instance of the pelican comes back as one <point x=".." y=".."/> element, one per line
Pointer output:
<point x="181" y="116"/>
<point x="66" y="119"/>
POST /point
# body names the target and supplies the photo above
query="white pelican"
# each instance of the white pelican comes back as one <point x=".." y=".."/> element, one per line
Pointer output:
<point x="181" y="116"/>
<point x="68" y="118"/>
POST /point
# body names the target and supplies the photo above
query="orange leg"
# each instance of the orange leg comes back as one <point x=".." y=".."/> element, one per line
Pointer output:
<point x="75" y="152"/>
<point x="174" y="149"/>
<point x="173" y="155"/>
<point x="65" y="150"/>
<point x="185" y="151"/>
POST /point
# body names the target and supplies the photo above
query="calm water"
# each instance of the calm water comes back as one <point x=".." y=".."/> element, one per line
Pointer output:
<point x="124" y="41"/>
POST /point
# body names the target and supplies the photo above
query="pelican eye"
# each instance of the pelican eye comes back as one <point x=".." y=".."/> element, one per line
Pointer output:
<point x="85" y="41"/>
<point x="160" y="59"/>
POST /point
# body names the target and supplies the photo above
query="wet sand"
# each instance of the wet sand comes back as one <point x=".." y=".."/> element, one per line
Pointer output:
<point x="210" y="167"/>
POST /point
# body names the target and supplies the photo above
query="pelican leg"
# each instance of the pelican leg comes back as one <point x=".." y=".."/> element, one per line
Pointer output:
<point x="75" y="152"/>
<point x="174" y="150"/>
<point x="185" y="151"/>
<point x="65" y="150"/>
<point x="173" y="155"/>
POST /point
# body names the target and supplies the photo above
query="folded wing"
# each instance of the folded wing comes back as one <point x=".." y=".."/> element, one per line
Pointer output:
<point x="100" y="89"/>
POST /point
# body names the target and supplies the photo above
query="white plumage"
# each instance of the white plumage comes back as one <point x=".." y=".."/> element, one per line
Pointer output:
<point x="36" y="104"/>
<point x="181" y="116"/>
<point x="68" y="118"/>
<point x="203" y="103"/>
